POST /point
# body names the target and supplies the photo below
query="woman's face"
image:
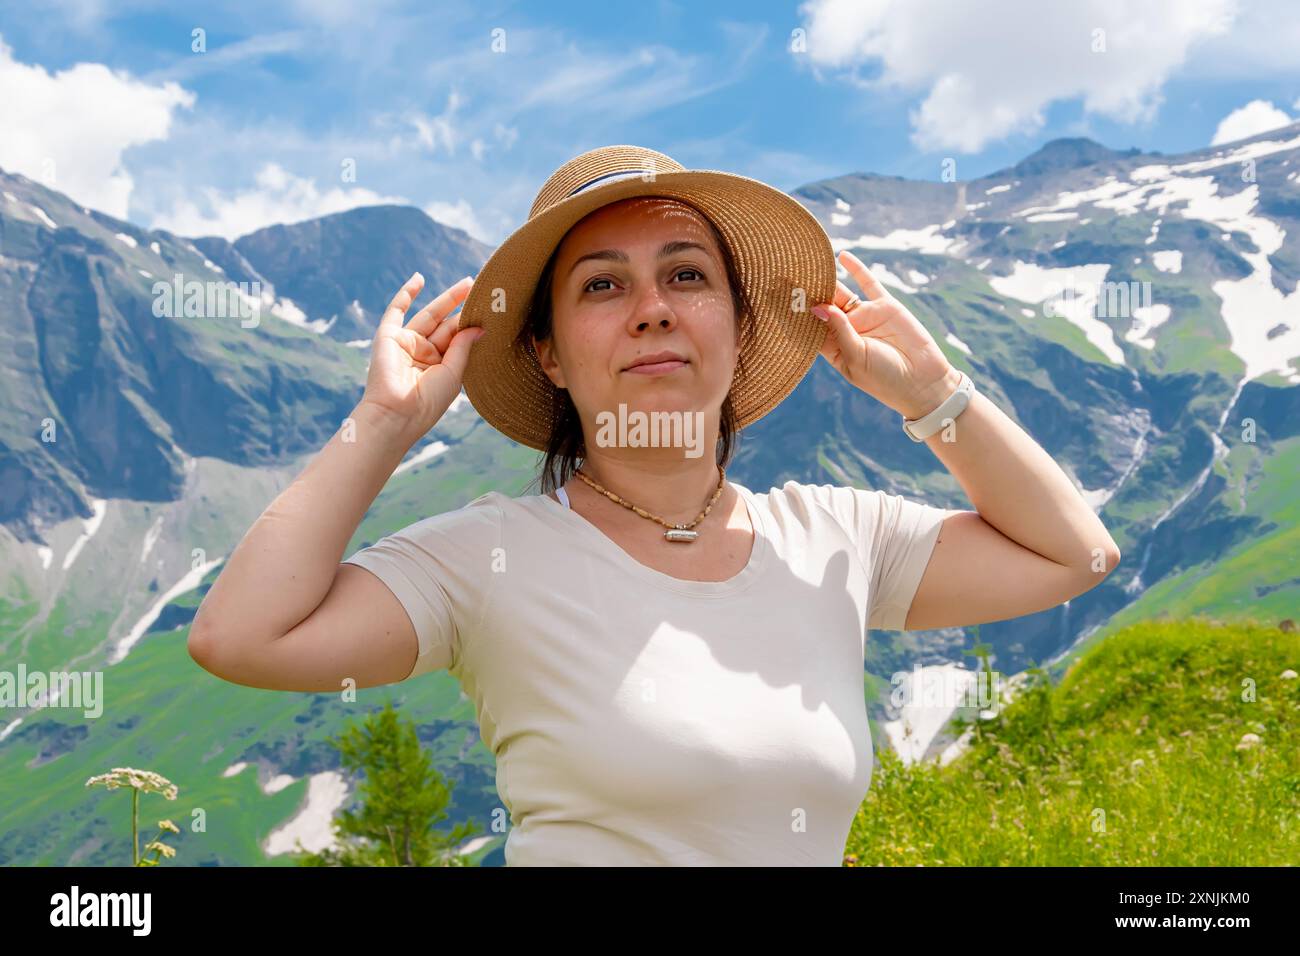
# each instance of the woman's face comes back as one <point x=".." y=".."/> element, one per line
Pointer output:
<point x="635" y="278"/>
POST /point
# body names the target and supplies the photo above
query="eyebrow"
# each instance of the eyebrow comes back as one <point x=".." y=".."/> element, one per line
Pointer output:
<point x="669" y="248"/>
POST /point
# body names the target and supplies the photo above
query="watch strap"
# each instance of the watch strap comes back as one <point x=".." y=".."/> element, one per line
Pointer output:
<point x="919" y="429"/>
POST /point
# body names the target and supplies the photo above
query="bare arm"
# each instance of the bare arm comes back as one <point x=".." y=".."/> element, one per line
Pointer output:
<point x="1032" y="542"/>
<point x="284" y="613"/>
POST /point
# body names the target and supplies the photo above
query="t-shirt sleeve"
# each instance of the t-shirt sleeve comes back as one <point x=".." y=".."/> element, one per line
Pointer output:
<point x="895" y="537"/>
<point x="440" y="569"/>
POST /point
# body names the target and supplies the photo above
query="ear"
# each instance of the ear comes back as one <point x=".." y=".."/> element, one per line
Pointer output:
<point x="546" y="357"/>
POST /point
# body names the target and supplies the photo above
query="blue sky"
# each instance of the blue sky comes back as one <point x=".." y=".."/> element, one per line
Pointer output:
<point x="463" y="109"/>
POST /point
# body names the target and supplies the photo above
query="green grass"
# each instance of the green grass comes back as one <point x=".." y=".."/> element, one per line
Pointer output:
<point x="1131" y="760"/>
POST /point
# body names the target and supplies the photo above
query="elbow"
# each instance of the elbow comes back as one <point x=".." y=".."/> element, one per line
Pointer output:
<point x="1110" y="557"/>
<point x="203" y="645"/>
<point x="199" y="645"/>
<point x="1104" y="560"/>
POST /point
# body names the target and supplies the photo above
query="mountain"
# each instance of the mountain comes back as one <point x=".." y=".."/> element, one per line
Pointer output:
<point x="101" y="400"/>
<point x="1139" y="316"/>
<point x="1136" y="313"/>
<point x="341" y="270"/>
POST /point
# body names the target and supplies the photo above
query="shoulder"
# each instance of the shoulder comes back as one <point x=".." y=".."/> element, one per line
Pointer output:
<point x="810" y="500"/>
<point x="481" y="517"/>
<point x="860" y="512"/>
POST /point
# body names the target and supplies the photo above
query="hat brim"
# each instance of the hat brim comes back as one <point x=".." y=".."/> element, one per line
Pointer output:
<point x="783" y="257"/>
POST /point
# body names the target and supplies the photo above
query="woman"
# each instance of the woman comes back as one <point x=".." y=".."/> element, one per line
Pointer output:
<point x="667" y="666"/>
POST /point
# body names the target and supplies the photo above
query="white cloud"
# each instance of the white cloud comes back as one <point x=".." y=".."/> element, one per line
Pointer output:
<point x="81" y="16"/>
<point x="459" y="215"/>
<point x="984" y="81"/>
<point x="339" y="13"/>
<point x="437" y="133"/>
<point x="228" y="57"/>
<point x="279" y="197"/>
<point x="68" y="130"/>
<point x="577" y="83"/>
<point x="1257" y="116"/>
<point x="506" y="135"/>
<point x="1261" y="44"/>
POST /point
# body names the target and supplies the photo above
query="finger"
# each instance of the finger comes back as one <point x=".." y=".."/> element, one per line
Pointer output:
<point x="456" y="357"/>
<point x="830" y="349"/>
<point x="847" y="340"/>
<point x="430" y="317"/>
<point x="867" y="317"/>
<point x="402" y="301"/>
<point x="447" y="329"/>
<point x="862" y="275"/>
<point x="843" y="294"/>
<point x="421" y="350"/>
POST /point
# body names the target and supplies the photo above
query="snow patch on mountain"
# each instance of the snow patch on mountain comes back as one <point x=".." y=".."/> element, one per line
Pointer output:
<point x="99" y="507"/>
<point x="427" y="453"/>
<point x="312" y="825"/>
<point x="882" y="274"/>
<point x="150" y="537"/>
<point x="925" y="240"/>
<point x="1071" y="293"/>
<point x="1145" y="320"/>
<point x="187" y="583"/>
<point x="43" y="217"/>
<point x="931" y="694"/>
<point x="951" y="339"/>
<point x="1168" y="260"/>
<point x="287" y="310"/>
<point x="1220" y="159"/>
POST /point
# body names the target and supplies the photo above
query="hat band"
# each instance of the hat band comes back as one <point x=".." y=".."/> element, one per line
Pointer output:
<point x="607" y="177"/>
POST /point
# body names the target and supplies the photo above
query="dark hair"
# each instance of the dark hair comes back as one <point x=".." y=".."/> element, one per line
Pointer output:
<point x="566" y="445"/>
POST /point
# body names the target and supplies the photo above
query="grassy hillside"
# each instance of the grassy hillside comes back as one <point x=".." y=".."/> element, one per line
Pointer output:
<point x="1138" y="757"/>
<point x="1256" y="578"/>
<point x="163" y="713"/>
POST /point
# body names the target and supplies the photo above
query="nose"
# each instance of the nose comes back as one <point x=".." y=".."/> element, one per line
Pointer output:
<point x="649" y="307"/>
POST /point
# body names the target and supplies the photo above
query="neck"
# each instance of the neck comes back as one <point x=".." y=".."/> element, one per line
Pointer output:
<point x="675" y="488"/>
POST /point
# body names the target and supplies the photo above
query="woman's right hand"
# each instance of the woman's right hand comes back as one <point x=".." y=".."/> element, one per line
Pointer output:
<point x="416" y="369"/>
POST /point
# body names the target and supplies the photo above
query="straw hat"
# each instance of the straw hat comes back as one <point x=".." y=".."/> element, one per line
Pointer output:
<point x="779" y="248"/>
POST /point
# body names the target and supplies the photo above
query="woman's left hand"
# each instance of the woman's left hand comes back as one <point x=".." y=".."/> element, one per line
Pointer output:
<point x="884" y="350"/>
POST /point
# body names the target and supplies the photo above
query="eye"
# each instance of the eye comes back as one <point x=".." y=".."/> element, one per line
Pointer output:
<point x="691" y="273"/>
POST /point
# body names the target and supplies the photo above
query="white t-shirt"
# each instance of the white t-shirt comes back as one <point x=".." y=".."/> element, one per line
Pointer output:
<point x="641" y="719"/>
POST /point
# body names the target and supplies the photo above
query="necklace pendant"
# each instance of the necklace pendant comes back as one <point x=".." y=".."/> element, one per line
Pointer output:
<point x="681" y="534"/>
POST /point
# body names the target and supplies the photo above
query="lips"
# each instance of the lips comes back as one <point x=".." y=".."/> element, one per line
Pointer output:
<point x="657" y="362"/>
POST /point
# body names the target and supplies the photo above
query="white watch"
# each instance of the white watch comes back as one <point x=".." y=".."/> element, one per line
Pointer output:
<point x="919" y="429"/>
